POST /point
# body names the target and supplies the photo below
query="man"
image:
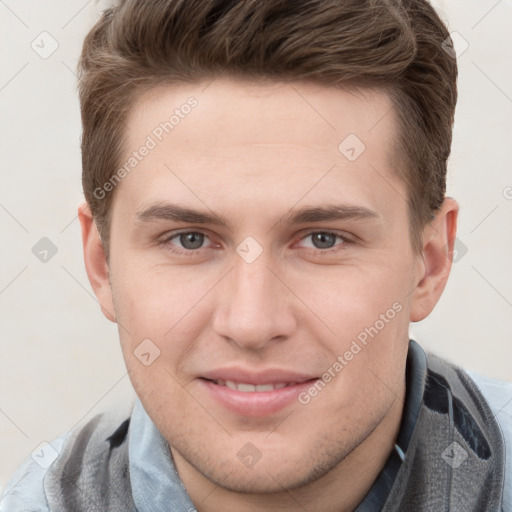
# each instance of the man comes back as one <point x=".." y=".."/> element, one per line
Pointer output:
<point x="265" y="215"/>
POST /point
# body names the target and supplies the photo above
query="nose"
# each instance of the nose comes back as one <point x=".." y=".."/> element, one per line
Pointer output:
<point x="254" y="308"/>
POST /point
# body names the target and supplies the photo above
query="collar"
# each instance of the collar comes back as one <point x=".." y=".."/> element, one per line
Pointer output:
<point x="155" y="482"/>
<point x="415" y="375"/>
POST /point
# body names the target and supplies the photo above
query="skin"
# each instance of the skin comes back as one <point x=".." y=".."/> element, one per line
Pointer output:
<point x="253" y="153"/>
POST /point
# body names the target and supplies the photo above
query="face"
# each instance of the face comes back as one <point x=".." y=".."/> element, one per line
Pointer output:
<point x="261" y="272"/>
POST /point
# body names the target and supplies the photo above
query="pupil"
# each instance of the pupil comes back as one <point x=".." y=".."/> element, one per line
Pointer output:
<point x="323" y="240"/>
<point x="191" y="240"/>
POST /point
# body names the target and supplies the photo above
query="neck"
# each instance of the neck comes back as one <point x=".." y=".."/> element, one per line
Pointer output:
<point x="340" y="490"/>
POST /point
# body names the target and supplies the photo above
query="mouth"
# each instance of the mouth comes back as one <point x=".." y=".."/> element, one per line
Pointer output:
<point x="252" y="388"/>
<point x="256" y="400"/>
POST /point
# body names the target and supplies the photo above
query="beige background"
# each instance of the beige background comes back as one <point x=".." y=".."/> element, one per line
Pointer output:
<point x="60" y="358"/>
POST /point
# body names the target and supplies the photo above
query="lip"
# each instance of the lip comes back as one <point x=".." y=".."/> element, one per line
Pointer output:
<point x="269" y="376"/>
<point x="258" y="403"/>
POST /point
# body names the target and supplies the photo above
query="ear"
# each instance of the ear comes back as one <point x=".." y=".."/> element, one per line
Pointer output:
<point x="95" y="261"/>
<point x="437" y="253"/>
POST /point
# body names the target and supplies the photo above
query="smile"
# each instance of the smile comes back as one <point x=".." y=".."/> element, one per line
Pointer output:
<point x="251" y="388"/>
<point x="246" y="399"/>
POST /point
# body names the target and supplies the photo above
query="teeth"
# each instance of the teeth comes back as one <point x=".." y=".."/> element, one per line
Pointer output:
<point x="265" y="387"/>
<point x="251" y="388"/>
<point x="246" y="387"/>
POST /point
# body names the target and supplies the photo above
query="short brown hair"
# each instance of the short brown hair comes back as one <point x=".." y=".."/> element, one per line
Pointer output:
<point x="397" y="45"/>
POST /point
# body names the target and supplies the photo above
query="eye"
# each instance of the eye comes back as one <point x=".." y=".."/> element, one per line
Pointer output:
<point x="324" y="240"/>
<point x="189" y="241"/>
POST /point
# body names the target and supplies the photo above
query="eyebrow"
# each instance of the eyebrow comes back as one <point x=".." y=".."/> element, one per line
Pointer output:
<point x="173" y="212"/>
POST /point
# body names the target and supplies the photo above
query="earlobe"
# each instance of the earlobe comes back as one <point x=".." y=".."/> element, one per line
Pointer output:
<point x="95" y="261"/>
<point x="438" y="242"/>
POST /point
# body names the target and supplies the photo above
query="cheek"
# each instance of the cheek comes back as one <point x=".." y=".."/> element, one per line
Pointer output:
<point x="350" y="298"/>
<point x="156" y="301"/>
<point x="160" y="316"/>
<point x="366" y="311"/>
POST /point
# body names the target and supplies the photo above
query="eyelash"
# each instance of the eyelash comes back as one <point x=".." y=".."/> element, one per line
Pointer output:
<point x="166" y="242"/>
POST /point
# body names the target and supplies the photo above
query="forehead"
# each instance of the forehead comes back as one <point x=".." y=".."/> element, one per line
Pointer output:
<point x="322" y="114"/>
<point x="236" y="140"/>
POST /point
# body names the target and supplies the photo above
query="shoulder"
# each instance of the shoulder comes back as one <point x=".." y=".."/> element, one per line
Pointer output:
<point x="25" y="492"/>
<point x="499" y="396"/>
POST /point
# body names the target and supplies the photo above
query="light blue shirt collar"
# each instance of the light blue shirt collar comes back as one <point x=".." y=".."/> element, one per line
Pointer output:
<point x="156" y="485"/>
